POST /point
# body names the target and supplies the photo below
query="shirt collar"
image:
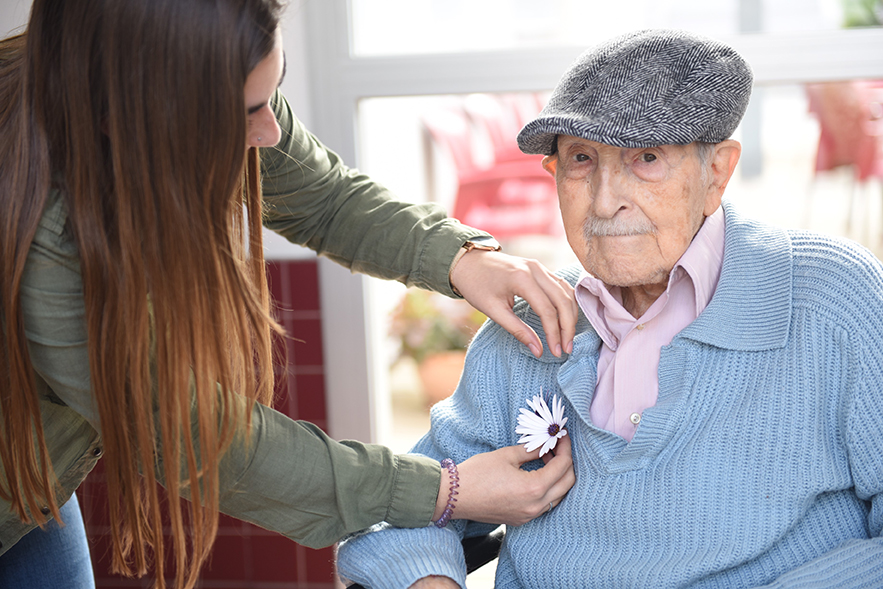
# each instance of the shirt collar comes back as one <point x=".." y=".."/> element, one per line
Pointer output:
<point x="704" y="259"/>
<point x="702" y="262"/>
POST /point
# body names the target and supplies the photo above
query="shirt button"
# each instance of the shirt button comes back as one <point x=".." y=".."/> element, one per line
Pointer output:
<point x="640" y="327"/>
<point x="96" y="452"/>
<point x="635" y="418"/>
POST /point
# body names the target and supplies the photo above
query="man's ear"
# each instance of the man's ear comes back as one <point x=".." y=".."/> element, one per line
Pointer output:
<point x="723" y="163"/>
<point x="550" y="163"/>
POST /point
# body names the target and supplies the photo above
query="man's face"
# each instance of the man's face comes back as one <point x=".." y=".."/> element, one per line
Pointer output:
<point x="630" y="213"/>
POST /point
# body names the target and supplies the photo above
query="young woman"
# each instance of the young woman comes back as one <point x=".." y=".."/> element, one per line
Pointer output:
<point x="138" y="164"/>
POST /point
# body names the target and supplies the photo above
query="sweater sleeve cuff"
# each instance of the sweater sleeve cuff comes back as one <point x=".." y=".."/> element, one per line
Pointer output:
<point x="392" y="558"/>
<point x="414" y="492"/>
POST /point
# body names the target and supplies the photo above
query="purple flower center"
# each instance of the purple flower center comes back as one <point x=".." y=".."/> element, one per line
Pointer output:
<point x="554" y="429"/>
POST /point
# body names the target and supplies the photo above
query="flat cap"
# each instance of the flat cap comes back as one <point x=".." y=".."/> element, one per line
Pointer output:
<point x="646" y="88"/>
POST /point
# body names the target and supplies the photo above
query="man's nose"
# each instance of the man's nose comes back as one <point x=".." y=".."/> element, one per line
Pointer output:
<point x="609" y="193"/>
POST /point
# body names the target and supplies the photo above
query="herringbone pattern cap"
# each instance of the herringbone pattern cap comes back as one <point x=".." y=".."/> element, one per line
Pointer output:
<point x="646" y="88"/>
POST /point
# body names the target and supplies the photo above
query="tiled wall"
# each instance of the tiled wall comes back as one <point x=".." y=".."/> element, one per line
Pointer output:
<point x="245" y="556"/>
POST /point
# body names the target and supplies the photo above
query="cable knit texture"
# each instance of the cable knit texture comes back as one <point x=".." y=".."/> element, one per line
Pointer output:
<point x="761" y="465"/>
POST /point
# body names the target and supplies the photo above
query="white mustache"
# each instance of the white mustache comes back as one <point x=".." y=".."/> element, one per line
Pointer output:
<point x="596" y="227"/>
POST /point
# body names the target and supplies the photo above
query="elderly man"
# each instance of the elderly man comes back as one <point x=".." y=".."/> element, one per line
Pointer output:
<point x="723" y="394"/>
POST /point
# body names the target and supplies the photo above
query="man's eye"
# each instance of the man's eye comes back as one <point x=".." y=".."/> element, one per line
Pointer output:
<point x="581" y="157"/>
<point x="648" y="157"/>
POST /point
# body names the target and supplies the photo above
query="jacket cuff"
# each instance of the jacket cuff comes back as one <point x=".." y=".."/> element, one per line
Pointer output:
<point x="414" y="492"/>
<point x="440" y="253"/>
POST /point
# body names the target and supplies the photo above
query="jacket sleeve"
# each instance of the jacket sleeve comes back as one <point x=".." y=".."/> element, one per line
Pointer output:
<point x="293" y="479"/>
<point x="288" y="477"/>
<point x="477" y="418"/>
<point x="313" y="199"/>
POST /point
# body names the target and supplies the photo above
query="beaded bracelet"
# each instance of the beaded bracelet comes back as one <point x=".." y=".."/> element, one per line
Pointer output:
<point x="455" y="484"/>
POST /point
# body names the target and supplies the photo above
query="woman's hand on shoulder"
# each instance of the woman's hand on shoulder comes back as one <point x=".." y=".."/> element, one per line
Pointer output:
<point x="490" y="281"/>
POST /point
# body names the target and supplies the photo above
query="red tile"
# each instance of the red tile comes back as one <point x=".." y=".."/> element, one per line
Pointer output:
<point x="227" y="561"/>
<point x="305" y="347"/>
<point x="309" y="392"/>
<point x="249" y="529"/>
<point x="304" y="285"/>
<point x="294" y="284"/>
<point x="319" y="565"/>
<point x="93" y="504"/>
<point x="229" y="525"/>
<point x="99" y="547"/>
<point x="274" y="559"/>
<point x="284" y="400"/>
<point x="275" y="280"/>
<point x="121" y="583"/>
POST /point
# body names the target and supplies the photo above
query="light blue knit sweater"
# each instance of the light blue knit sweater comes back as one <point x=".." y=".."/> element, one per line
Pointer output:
<point x="760" y="465"/>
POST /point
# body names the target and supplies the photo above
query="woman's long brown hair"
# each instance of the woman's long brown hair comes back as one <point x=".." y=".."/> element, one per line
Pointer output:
<point x="135" y="110"/>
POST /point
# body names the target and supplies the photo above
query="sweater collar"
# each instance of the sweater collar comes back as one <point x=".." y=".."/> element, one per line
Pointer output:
<point x="751" y="308"/>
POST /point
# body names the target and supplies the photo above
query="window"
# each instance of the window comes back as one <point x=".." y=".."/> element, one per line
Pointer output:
<point x="366" y="56"/>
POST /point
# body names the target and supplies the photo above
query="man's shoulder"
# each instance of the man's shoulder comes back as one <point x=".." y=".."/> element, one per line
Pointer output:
<point x="816" y="260"/>
<point x="492" y="336"/>
<point x="825" y="259"/>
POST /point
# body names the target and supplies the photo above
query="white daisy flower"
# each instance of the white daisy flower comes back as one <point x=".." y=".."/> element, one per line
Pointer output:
<point x="541" y="427"/>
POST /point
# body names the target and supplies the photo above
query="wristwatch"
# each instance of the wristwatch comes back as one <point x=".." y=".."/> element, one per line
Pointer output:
<point x="483" y="243"/>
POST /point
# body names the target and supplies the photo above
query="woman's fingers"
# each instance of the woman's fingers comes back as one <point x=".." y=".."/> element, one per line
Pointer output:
<point x="490" y="281"/>
<point x="494" y="488"/>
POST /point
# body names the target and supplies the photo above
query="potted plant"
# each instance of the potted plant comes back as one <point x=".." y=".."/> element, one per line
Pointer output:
<point x="434" y="330"/>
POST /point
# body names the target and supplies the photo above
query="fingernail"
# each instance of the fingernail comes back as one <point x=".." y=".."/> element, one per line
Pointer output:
<point x="557" y="350"/>
<point x="570" y="348"/>
<point x="536" y="351"/>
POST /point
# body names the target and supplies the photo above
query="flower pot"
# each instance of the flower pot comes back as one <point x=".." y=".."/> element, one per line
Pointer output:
<point x="440" y="373"/>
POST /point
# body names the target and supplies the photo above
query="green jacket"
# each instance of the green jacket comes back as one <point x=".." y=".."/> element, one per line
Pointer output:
<point x="291" y="478"/>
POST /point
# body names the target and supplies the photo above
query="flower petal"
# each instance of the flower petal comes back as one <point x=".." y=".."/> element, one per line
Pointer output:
<point x="532" y="420"/>
<point x="533" y="445"/>
<point x="534" y="403"/>
<point x="531" y="438"/>
<point x="524" y="413"/>
<point x="557" y="409"/>
<point x="550" y="443"/>
<point x="533" y="424"/>
<point x="545" y="413"/>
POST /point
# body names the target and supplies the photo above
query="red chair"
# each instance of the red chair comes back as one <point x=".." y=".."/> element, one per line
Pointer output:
<point x="506" y="193"/>
<point x="850" y="118"/>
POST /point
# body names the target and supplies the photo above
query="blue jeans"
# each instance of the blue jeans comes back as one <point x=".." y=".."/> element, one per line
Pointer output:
<point x="52" y="558"/>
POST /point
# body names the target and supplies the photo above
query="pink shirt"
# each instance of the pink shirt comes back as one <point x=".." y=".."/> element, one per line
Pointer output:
<point x="628" y="380"/>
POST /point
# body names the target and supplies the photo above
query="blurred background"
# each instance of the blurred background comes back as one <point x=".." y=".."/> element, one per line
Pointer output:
<point x="427" y="96"/>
